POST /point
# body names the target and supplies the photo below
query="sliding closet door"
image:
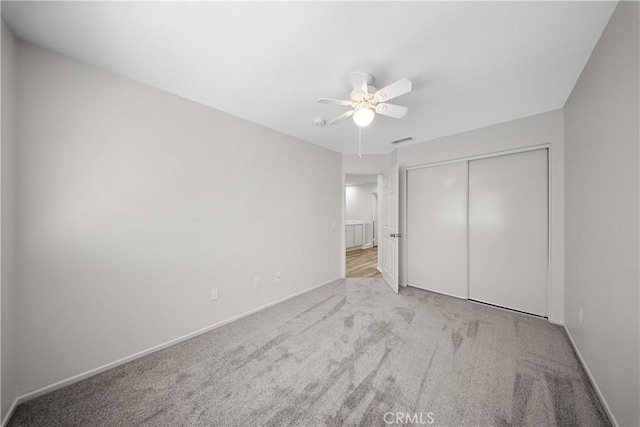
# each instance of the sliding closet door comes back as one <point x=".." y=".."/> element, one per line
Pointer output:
<point x="437" y="228"/>
<point x="509" y="231"/>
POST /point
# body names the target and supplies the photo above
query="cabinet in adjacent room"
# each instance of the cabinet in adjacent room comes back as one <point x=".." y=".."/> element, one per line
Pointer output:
<point x="355" y="235"/>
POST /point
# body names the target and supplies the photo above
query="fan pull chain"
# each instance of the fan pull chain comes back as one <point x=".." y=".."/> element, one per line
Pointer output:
<point x="359" y="141"/>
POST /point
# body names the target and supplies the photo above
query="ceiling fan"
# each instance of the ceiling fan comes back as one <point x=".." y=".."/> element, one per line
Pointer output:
<point x="365" y="100"/>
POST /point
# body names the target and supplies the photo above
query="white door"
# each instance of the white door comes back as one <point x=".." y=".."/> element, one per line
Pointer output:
<point x="379" y="223"/>
<point x="389" y="236"/>
<point x="437" y="229"/>
<point x="374" y="216"/>
<point x="509" y="231"/>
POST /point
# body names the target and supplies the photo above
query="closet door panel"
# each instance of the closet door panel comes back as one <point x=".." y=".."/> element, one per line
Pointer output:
<point x="437" y="229"/>
<point x="509" y="230"/>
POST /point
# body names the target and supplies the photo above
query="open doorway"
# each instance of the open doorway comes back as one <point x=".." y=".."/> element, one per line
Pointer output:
<point x="361" y="226"/>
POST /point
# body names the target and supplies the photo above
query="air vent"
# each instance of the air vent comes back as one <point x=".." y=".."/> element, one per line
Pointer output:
<point x="398" y="141"/>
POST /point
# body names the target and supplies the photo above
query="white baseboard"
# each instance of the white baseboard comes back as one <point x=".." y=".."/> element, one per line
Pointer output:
<point x="63" y="383"/>
<point x="438" y="292"/>
<point x="356" y="248"/>
<point x="593" y="381"/>
<point x="556" y="322"/>
<point x="12" y="408"/>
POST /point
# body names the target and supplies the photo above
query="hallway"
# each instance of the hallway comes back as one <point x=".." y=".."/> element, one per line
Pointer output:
<point x="363" y="262"/>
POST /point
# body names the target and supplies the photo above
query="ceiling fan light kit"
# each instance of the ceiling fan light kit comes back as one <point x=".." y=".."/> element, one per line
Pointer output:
<point x="363" y="117"/>
<point x="366" y="101"/>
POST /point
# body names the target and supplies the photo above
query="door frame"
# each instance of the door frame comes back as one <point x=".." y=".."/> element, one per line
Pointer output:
<point x="374" y="222"/>
<point x="343" y="223"/>
<point x="468" y="159"/>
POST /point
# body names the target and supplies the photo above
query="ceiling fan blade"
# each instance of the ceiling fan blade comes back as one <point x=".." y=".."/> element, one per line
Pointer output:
<point x="398" y="88"/>
<point x="359" y="82"/>
<point x="391" y="110"/>
<point x="342" y="117"/>
<point x="333" y="101"/>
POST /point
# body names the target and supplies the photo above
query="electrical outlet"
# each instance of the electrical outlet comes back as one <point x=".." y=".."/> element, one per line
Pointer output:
<point x="580" y="315"/>
<point x="214" y="294"/>
<point x="334" y="224"/>
<point x="278" y="276"/>
<point x="256" y="282"/>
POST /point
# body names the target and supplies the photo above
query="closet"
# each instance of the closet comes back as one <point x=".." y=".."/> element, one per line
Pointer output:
<point x="437" y="228"/>
<point x="479" y="230"/>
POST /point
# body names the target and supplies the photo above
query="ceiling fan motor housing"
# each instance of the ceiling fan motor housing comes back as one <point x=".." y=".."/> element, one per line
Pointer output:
<point x="357" y="95"/>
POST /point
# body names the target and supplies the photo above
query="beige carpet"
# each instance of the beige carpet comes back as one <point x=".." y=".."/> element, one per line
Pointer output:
<point x="349" y="353"/>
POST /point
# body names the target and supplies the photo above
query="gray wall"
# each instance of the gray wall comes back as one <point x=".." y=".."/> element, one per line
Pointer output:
<point x="367" y="164"/>
<point x="359" y="206"/>
<point x="134" y="203"/>
<point x="7" y="288"/>
<point x="359" y="201"/>
<point x="602" y="214"/>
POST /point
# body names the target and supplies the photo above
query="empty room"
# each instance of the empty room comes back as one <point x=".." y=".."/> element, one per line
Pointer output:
<point x="399" y="213"/>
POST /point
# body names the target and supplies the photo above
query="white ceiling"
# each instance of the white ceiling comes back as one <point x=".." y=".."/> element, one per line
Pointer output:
<point x="472" y="63"/>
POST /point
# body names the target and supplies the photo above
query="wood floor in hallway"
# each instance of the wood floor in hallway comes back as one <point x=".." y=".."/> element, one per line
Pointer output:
<point x="363" y="262"/>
